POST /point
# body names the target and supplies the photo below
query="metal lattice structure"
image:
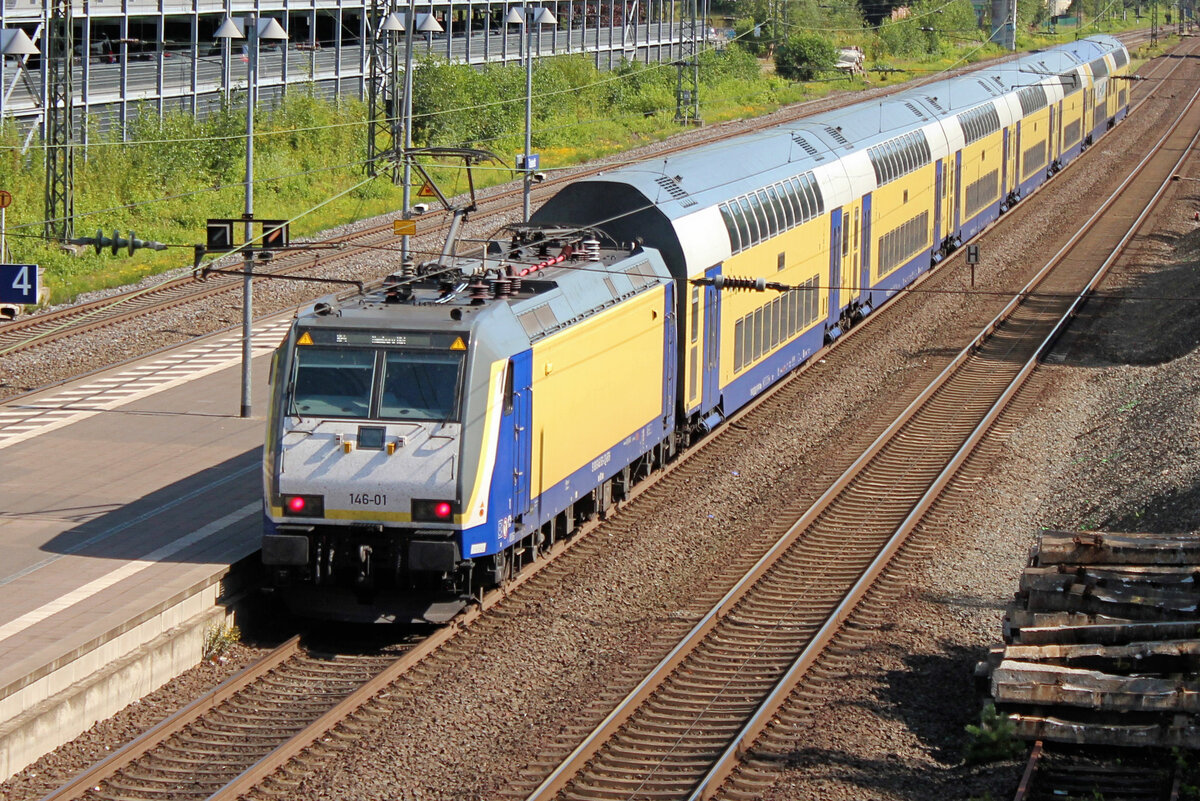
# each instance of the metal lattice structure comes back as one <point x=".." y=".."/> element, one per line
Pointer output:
<point x="687" y="86"/>
<point x="380" y="140"/>
<point x="60" y="153"/>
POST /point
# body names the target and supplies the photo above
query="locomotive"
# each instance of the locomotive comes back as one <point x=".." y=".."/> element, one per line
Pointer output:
<point x="427" y="439"/>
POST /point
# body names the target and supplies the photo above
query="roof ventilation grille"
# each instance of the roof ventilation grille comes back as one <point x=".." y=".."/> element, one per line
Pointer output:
<point x="836" y="134"/>
<point x="807" y="146"/>
<point x="676" y="191"/>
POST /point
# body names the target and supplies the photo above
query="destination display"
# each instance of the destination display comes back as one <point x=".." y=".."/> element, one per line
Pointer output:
<point x="394" y="339"/>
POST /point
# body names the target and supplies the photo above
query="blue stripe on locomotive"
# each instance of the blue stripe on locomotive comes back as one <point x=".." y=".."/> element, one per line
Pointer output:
<point x="514" y="445"/>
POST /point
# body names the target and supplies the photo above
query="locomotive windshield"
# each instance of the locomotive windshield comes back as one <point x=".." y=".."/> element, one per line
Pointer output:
<point x="376" y="383"/>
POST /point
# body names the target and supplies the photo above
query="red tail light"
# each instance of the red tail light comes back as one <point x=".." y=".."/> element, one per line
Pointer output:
<point x="434" y="511"/>
<point x="303" y="505"/>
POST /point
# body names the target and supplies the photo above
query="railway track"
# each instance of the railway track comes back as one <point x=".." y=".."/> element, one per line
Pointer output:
<point x="201" y="748"/>
<point x="275" y="775"/>
<point x="713" y="718"/>
<point x="1077" y="776"/>
<point x="29" y="333"/>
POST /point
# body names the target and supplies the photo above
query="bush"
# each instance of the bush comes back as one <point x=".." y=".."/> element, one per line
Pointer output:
<point x="993" y="740"/>
<point x="803" y="56"/>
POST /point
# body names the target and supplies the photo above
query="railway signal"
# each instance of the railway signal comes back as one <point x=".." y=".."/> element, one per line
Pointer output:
<point x="273" y="235"/>
<point x="972" y="259"/>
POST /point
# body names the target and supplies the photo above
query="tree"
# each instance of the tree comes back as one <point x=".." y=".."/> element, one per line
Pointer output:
<point x="802" y="56"/>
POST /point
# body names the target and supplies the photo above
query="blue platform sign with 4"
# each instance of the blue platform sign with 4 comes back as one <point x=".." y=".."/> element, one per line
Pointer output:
<point x="19" y="283"/>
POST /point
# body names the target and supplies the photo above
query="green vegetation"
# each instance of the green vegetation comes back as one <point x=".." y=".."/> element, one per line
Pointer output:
<point x="993" y="739"/>
<point x="219" y="638"/>
<point x="174" y="173"/>
<point x="804" y="56"/>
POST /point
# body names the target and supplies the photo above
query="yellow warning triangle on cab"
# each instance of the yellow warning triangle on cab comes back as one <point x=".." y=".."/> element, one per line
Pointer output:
<point x="426" y="191"/>
<point x="458" y="344"/>
<point x="305" y="339"/>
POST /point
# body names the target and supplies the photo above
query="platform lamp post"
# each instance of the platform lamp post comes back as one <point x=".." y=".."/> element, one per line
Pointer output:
<point x="390" y="27"/>
<point x="14" y="42"/>
<point x="427" y="23"/>
<point x="256" y="29"/>
<point x="540" y="16"/>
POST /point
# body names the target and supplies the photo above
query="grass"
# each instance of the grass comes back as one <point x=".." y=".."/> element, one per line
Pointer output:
<point x="178" y="172"/>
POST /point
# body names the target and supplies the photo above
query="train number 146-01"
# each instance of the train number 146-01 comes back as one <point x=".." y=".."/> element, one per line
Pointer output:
<point x="367" y="499"/>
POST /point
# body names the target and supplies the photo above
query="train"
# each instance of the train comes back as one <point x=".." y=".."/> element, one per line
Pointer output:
<point x="427" y="440"/>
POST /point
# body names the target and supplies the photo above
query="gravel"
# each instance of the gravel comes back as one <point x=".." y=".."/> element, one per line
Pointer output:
<point x="98" y="742"/>
<point x="1109" y="441"/>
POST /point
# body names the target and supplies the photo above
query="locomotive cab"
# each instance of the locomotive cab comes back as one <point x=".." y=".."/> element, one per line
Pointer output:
<point x="366" y="445"/>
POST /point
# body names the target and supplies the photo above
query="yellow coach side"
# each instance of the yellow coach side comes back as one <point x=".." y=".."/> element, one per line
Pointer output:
<point x="754" y="324"/>
<point x="1035" y="143"/>
<point x="979" y="184"/>
<point x="902" y="214"/>
<point x="595" y="383"/>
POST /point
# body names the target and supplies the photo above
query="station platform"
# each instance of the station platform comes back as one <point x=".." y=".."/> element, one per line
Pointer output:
<point x="125" y="499"/>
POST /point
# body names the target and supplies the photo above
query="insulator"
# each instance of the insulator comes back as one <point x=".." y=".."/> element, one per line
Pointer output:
<point x="502" y="287"/>
<point x="514" y="284"/>
<point x="478" y="291"/>
<point x="732" y="283"/>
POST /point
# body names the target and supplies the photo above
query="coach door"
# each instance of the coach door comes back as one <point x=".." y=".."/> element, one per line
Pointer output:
<point x="1017" y="160"/>
<point x="939" y="202"/>
<point x="1050" y="141"/>
<point x="865" y="244"/>
<point x="835" y="265"/>
<point x="851" y="237"/>
<point x="1085" y="125"/>
<point x="1004" y="159"/>
<point x="519" y="401"/>
<point x="955" y="188"/>
<point x="712" y="342"/>
<point x="1059" y="137"/>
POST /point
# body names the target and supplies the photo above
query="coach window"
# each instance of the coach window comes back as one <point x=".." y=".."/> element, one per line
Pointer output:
<point x="766" y="218"/>
<point x="758" y="332"/>
<point x="813" y="205"/>
<point x="756" y="234"/>
<point x="796" y="191"/>
<point x="807" y="212"/>
<point x="782" y="261"/>
<point x="856" y="224"/>
<point x="743" y="227"/>
<point x="777" y="334"/>
<point x="787" y="196"/>
<point x="735" y="239"/>
<point x="774" y="225"/>
<point x="781" y="213"/>
<point x="739" y="332"/>
<point x="845" y="236"/>
<point x="695" y="314"/>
